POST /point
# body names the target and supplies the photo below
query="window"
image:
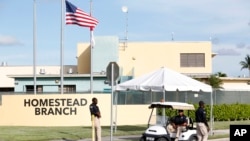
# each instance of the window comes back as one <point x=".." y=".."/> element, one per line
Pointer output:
<point x="7" y="89"/>
<point x="192" y="59"/>
<point x="68" y="88"/>
<point x="30" y="88"/>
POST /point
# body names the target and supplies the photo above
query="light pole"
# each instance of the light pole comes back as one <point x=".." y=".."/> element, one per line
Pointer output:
<point x="91" y="53"/>
<point x="125" y="10"/>
<point x="34" y="45"/>
<point x="62" y="46"/>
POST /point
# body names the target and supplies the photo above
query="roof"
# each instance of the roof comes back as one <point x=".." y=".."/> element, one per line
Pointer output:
<point x="172" y="105"/>
<point x="54" y="75"/>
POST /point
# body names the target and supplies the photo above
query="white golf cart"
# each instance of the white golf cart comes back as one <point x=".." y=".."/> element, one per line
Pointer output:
<point x="159" y="123"/>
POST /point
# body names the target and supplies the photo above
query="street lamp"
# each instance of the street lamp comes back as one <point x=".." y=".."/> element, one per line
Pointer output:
<point x="125" y="10"/>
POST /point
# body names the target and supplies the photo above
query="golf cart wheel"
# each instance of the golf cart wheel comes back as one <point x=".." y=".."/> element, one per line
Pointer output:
<point x="141" y="139"/>
<point x="193" y="138"/>
<point x="162" y="139"/>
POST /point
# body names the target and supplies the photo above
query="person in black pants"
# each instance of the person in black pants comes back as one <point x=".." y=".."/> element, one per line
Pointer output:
<point x="201" y="121"/>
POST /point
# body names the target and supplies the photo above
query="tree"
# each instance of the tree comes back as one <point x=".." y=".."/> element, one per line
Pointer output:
<point x="220" y="74"/>
<point x="215" y="81"/>
<point x="246" y="63"/>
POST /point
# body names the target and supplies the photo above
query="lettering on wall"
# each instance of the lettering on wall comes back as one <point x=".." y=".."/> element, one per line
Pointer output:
<point x="58" y="106"/>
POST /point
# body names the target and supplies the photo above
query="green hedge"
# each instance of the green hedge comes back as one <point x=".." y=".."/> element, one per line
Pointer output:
<point x="231" y="112"/>
<point x="223" y="112"/>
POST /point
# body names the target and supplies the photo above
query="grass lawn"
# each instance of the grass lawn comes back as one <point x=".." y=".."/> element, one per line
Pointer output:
<point x="19" y="133"/>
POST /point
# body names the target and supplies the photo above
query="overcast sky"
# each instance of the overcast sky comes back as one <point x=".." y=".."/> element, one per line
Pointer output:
<point x="225" y="22"/>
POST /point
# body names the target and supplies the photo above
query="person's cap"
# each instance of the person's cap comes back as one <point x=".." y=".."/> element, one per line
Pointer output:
<point x="201" y="102"/>
<point x="180" y="111"/>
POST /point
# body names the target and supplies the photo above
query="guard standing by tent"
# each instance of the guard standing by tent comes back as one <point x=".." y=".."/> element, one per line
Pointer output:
<point x="95" y="118"/>
<point x="202" y="125"/>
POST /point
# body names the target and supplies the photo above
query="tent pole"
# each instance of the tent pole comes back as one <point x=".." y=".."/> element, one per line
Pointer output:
<point x="164" y="95"/>
<point x="177" y="95"/>
<point x="151" y="96"/>
<point x="163" y="109"/>
<point x="211" y="114"/>
<point x="186" y="96"/>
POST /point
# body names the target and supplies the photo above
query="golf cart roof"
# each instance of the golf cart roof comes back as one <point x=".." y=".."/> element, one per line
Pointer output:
<point x="172" y="105"/>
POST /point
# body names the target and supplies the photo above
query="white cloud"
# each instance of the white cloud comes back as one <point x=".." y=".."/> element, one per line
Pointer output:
<point x="9" y="41"/>
<point x="230" y="52"/>
<point x="229" y="49"/>
<point x="241" y="45"/>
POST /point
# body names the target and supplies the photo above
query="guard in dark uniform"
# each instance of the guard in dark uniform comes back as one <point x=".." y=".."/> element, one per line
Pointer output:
<point x="201" y="120"/>
<point x="95" y="112"/>
<point x="180" y="123"/>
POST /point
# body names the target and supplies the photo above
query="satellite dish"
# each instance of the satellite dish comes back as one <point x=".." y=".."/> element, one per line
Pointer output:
<point x="125" y="9"/>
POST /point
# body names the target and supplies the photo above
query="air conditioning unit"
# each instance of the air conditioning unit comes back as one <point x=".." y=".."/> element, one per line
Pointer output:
<point x="42" y="71"/>
<point x="70" y="71"/>
<point x="4" y="63"/>
<point x="103" y="73"/>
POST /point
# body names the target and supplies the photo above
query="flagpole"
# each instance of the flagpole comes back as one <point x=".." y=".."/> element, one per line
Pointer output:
<point x="91" y="53"/>
<point x="34" y="45"/>
<point x="72" y="17"/>
<point x="62" y="45"/>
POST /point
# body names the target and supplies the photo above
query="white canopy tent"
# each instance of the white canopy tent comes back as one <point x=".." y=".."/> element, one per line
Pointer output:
<point x="164" y="79"/>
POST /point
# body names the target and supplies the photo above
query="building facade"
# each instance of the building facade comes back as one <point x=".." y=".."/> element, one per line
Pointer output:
<point x="134" y="59"/>
<point x="137" y="58"/>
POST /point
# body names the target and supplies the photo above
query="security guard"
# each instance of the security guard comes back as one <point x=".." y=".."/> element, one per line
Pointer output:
<point x="95" y="111"/>
<point x="202" y="126"/>
<point x="180" y="123"/>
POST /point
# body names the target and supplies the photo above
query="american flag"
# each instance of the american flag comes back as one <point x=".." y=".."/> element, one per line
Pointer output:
<point x="76" y="16"/>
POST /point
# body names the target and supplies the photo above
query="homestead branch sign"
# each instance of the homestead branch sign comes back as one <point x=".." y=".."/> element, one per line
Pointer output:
<point x="55" y="106"/>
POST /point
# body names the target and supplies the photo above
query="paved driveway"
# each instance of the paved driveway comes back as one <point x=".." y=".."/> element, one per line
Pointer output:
<point x="137" y="137"/>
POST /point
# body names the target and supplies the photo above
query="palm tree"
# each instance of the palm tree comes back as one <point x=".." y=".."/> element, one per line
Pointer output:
<point x="215" y="82"/>
<point x="246" y="64"/>
<point x="221" y="74"/>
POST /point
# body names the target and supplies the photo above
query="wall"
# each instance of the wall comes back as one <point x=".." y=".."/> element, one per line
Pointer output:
<point x="235" y="84"/>
<point x="7" y="73"/>
<point x="15" y="111"/>
<point x="139" y="58"/>
<point x="142" y="57"/>
<point x="50" y="84"/>
<point x="83" y="58"/>
<point x="149" y="56"/>
<point x="105" y="50"/>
